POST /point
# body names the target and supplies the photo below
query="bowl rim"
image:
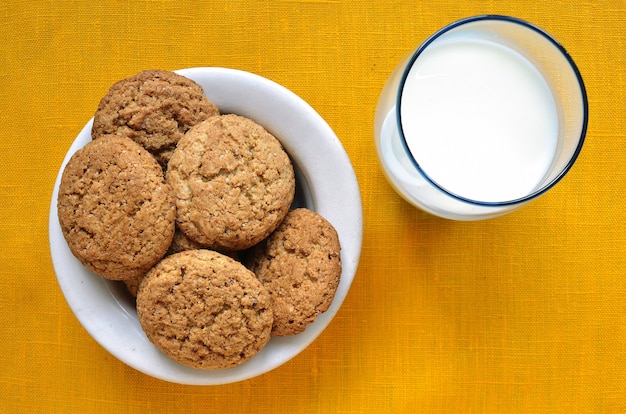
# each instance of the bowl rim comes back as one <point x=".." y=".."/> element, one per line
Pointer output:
<point x="110" y="318"/>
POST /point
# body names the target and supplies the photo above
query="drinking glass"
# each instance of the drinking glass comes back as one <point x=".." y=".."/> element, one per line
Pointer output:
<point x="487" y="114"/>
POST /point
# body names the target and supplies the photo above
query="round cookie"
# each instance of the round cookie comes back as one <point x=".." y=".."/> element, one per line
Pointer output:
<point x="233" y="182"/>
<point x="204" y="310"/>
<point x="154" y="108"/>
<point x="132" y="285"/>
<point x="115" y="209"/>
<point x="181" y="243"/>
<point x="300" y="266"/>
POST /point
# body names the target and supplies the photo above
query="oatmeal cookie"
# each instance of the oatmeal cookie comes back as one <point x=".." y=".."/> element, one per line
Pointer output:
<point x="300" y="266"/>
<point x="132" y="285"/>
<point x="182" y="243"/>
<point x="154" y="108"/>
<point x="233" y="182"/>
<point x="115" y="209"/>
<point x="204" y="310"/>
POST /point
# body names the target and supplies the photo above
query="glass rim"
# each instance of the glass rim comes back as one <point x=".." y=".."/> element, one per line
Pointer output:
<point x="575" y="71"/>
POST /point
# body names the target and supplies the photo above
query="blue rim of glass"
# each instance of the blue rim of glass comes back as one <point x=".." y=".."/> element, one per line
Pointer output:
<point x="565" y="54"/>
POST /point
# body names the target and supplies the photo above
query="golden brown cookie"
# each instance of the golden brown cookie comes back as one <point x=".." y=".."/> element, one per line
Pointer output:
<point x="154" y="108"/>
<point x="115" y="209"/>
<point x="182" y="243"/>
<point x="300" y="266"/>
<point x="204" y="310"/>
<point x="233" y="182"/>
<point x="132" y="285"/>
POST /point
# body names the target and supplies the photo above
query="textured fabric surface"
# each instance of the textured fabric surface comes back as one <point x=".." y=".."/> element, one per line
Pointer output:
<point x="523" y="313"/>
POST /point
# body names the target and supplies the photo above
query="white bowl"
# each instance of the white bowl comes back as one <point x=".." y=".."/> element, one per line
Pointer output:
<point x="326" y="183"/>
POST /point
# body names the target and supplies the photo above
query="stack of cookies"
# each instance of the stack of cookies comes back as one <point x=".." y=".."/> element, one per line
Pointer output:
<point x="190" y="208"/>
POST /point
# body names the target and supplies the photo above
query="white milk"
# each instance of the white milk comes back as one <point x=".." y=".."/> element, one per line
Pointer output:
<point x="479" y="119"/>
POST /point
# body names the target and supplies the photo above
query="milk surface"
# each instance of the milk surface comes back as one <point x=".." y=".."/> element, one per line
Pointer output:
<point x="479" y="119"/>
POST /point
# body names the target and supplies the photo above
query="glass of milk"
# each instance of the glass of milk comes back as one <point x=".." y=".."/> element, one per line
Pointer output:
<point x="487" y="114"/>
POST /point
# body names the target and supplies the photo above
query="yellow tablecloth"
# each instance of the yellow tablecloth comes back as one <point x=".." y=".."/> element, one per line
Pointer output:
<point x="523" y="313"/>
